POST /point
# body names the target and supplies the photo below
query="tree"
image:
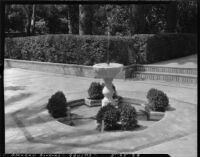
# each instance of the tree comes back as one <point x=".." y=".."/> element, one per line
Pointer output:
<point x="171" y="17"/>
<point x="15" y="18"/>
<point x="187" y="16"/>
<point x="52" y="19"/>
<point x="28" y="13"/>
<point x="73" y="19"/>
<point x="117" y="19"/>
<point x="93" y="19"/>
<point x="99" y="20"/>
<point x="33" y="20"/>
<point x="7" y="9"/>
<point x="137" y="21"/>
<point x="85" y="19"/>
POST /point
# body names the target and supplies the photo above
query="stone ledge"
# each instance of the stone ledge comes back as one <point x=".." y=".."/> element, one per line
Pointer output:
<point x="74" y="103"/>
<point x="160" y="68"/>
<point x="59" y="68"/>
<point x="129" y="72"/>
<point x="166" y="77"/>
<point x="154" y="115"/>
<point x="96" y="102"/>
<point x="92" y="102"/>
<point x="66" y="69"/>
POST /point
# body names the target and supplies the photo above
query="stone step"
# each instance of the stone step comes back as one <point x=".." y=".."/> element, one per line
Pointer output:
<point x="169" y="77"/>
<point x="164" y="69"/>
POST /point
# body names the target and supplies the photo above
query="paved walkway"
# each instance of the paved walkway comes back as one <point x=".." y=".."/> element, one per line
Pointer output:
<point x="30" y="129"/>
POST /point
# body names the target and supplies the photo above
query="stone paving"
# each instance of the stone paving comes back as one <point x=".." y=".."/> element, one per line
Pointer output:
<point x="30" y="129"/>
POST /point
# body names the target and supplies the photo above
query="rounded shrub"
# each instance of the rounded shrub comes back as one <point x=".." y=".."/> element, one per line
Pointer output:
<point x="157" y="100"/>
<point x="127" y="117"/>
<point x="95" y="91"/>
<point x="57" y="105"/>
<point x="110" y="115"/>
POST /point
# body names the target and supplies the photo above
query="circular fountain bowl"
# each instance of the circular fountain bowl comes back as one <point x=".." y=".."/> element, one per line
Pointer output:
<point x="104" y="70"/>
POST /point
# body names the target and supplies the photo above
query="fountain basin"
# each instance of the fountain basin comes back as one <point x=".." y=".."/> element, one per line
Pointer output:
<point x="104" y="70"/>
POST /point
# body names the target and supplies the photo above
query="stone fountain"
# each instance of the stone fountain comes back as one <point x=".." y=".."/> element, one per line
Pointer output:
<point x="107" y="71"/>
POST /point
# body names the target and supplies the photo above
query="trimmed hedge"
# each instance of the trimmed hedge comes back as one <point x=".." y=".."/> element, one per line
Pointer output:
<point x="125" y="114"/>
<point x="95" y="91"/>
<point x="57" y="105"/>
<point x="91" y="49"/>
<point x="167" y="46"/>
<point x="128" y="117"/>
<point x="110" y="115"/>
<point x="157" y="100"/>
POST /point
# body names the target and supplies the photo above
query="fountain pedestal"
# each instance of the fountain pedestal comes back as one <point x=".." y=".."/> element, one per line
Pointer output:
<point x="107" y="72"/>
<point x="107" y="92"/>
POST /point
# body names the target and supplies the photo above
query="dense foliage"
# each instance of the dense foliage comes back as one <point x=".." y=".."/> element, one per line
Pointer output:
<point x="110" y="115"/>
<point x="167" y="46"/>
<point x="95" y="91"/>
<point x="157" y="100"/>
<point x="88" y="50"/>
<point x="57" y="105"/>
<point x="124" y="117"/>
<point x="124" y="19"/>
<point x="128" y="117"/>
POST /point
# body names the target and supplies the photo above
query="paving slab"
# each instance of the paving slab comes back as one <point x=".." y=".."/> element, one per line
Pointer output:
<point x="30" y="129"/>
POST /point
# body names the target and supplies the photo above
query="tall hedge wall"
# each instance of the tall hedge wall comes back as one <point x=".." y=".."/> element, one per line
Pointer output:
<point x="88" y="50"/>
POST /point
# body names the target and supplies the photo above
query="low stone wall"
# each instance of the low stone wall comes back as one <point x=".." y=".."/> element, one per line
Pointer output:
<point x="138" y="72"/>
<point x="66" y="69"/>
<point x="163" y="69"/>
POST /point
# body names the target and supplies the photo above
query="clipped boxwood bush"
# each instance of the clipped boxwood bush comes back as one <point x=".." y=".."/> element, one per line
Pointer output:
<point x="91" y="49"/>
<point x="110" y="115"/>
<point x="128" y="117"/>
<point x="157" y="100"/>
<point x="57" y="105"/>
<point x="95" y="91"/>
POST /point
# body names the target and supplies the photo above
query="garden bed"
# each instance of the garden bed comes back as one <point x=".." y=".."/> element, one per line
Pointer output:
<point x="84" y="116"/>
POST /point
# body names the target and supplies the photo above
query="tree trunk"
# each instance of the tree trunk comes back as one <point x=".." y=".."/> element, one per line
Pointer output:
<point x="33" y="20"/>
<point x="81" y="19"/>
<point x="28" y="25"/>
<point x="142" y="12"/>
<point x="73" y="19"/>
<point x="7" y="8"/>
<point x="171" y="17"/>
<point x="137" y="19"/>
<point x="85" y="19"/>
<point x="27" y="11"/>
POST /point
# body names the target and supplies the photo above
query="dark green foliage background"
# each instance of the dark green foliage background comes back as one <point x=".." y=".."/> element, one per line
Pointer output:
<point x="91" y="49"/>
